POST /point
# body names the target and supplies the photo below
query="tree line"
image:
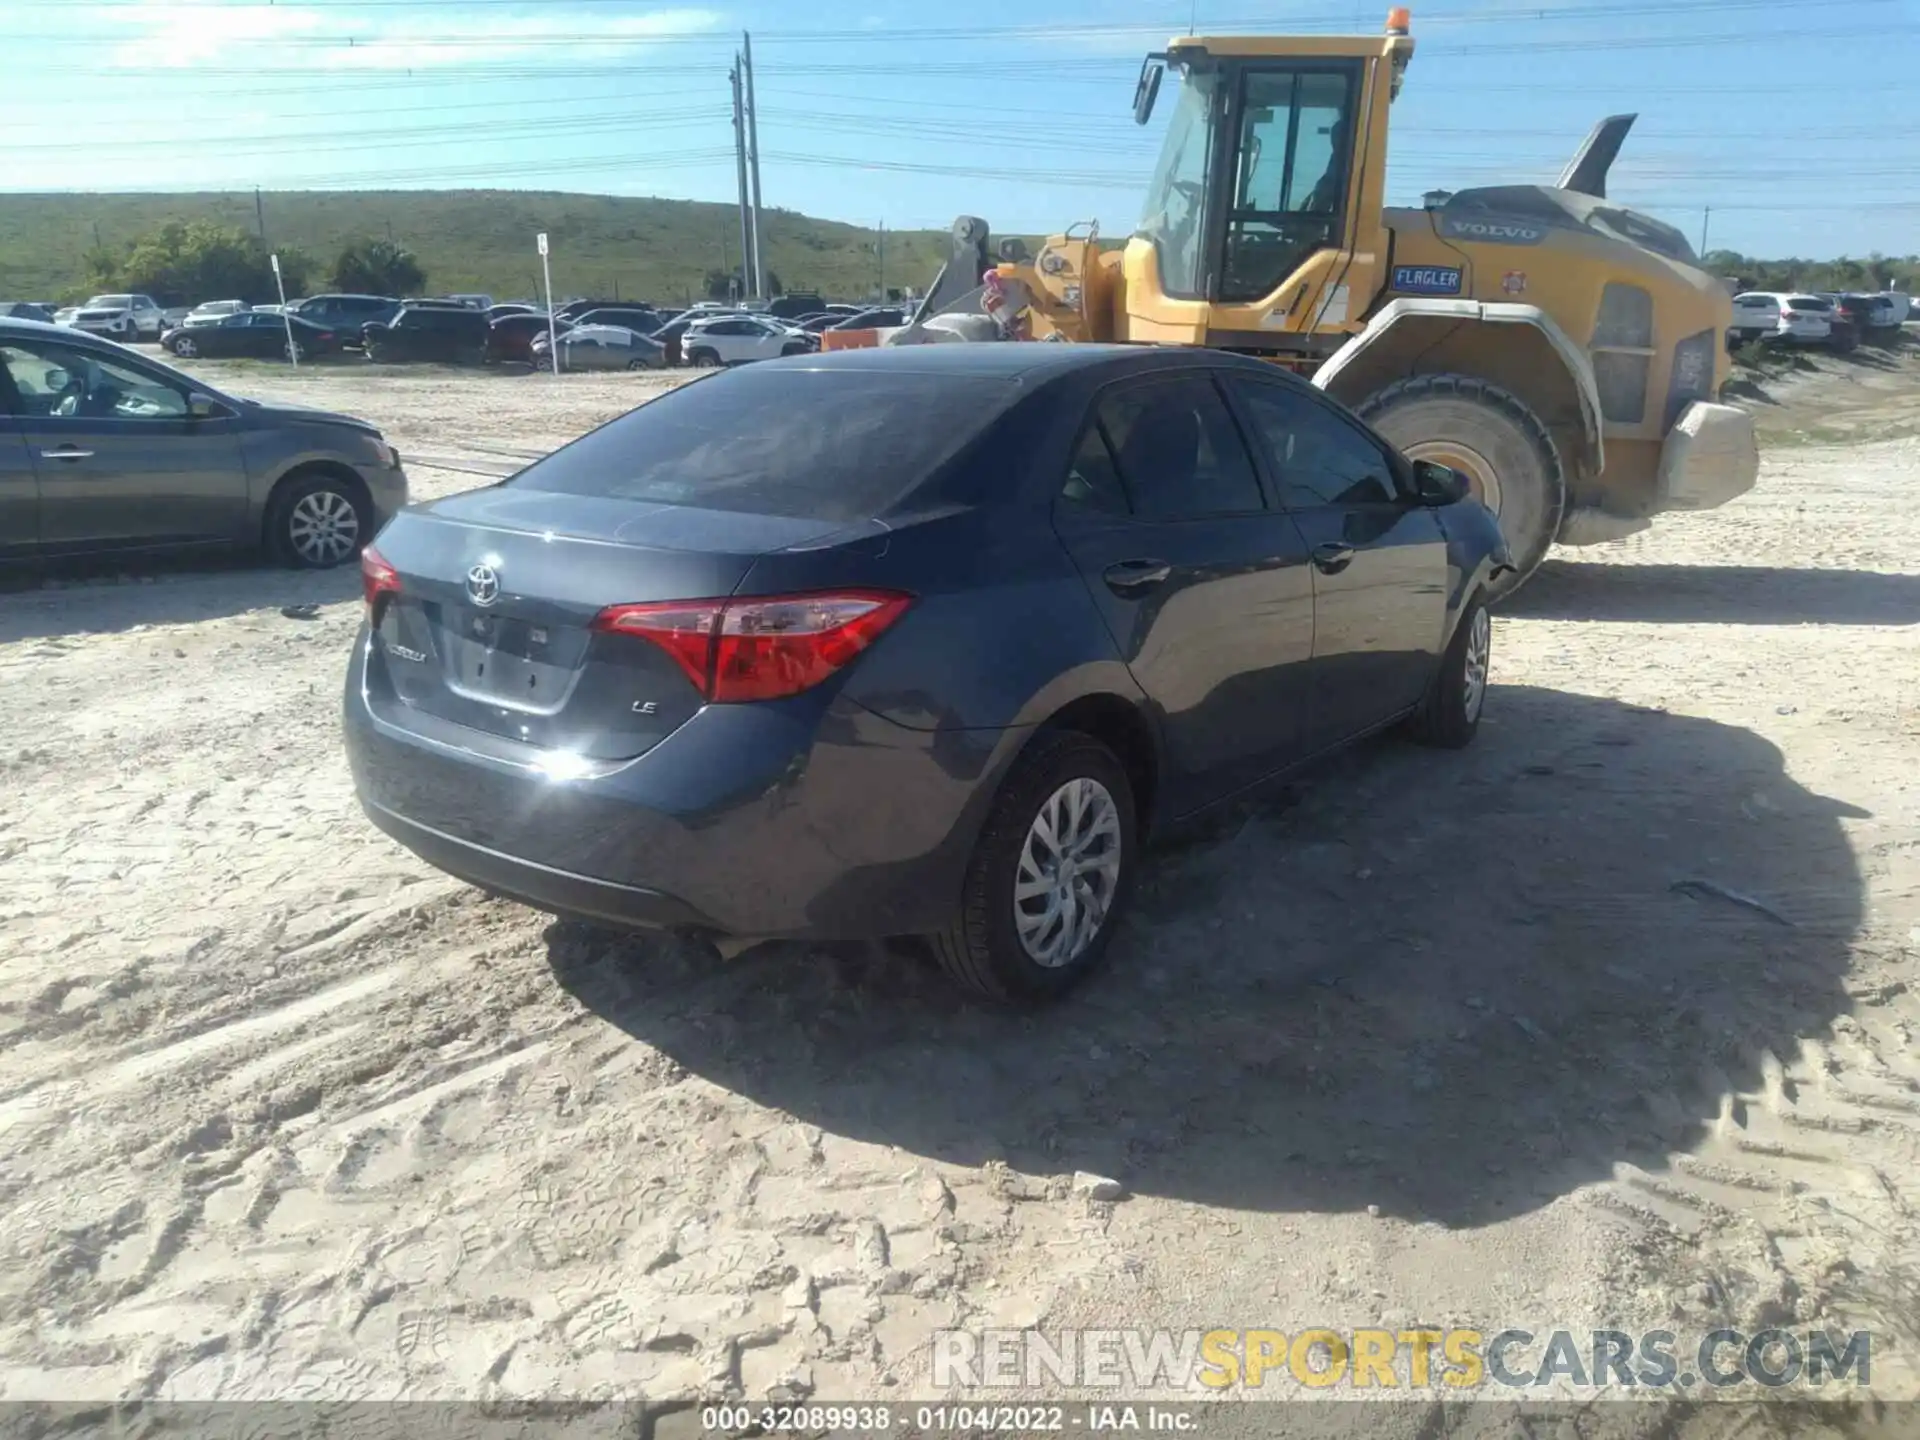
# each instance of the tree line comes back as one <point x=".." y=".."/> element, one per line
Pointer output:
<point x="187" y="262"/>
<point x="1873" y="274"/>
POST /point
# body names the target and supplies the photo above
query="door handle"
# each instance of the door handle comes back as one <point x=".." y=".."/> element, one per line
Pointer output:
<point x="1331" y="556"/>
<point x="1135" y="577"/>
<point x="68" y="453"/>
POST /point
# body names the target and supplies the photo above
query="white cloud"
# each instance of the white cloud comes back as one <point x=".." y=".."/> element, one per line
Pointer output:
<point x="186" y="35"/>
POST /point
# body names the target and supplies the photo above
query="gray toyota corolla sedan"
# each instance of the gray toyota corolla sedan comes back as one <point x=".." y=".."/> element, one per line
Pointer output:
<point x="104" y="449"/>
<point x="907" y="642"/>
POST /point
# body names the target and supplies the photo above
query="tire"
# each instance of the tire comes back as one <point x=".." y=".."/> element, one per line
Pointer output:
<point x="983" y="948"/>
<point x="704" y="360"/>
<point x="293" y="350"/>
<point x="372" y="352"/>
<point x="1449" y="716"/>
<point x="638" y="365"/>
<point x="318" y="520"/>
<point x="1489" y="433"/>
<point x="184" y="347"/>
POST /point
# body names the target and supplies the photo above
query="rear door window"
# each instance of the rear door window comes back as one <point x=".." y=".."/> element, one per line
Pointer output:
<point x="835" y="446"/>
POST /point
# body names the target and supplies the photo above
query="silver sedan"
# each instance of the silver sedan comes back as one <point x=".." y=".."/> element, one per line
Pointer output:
<point x="602" y="347"/>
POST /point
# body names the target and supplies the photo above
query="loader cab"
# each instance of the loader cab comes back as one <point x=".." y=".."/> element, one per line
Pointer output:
<point x="1263" y="215"/>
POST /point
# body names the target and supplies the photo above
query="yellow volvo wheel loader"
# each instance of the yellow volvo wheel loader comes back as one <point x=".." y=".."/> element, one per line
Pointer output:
<point x="1562" y="351"/>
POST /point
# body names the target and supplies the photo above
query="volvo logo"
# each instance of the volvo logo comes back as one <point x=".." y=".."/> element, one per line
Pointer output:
<point x="483" y="585"/>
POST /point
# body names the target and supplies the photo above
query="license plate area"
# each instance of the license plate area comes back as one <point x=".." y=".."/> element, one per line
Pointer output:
<point x="510" y="662"/>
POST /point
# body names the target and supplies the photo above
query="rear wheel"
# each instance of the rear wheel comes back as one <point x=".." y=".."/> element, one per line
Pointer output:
<point x="1492" y="437"/>
<point x="295" y="351"/>
<point x="183" y="346"/>
<point x="1048" y="876"/>
<point x="317" y="521"/>
<point x="704" y="360"/>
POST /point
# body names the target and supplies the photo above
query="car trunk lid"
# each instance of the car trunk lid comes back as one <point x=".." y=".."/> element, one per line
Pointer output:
<point x="491" y="626"/>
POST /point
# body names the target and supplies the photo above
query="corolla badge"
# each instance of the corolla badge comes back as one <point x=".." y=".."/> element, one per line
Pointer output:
<point x="483" y="585"/>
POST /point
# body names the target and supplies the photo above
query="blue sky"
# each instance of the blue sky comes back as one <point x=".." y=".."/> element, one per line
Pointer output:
<point x="1794" y="122"/>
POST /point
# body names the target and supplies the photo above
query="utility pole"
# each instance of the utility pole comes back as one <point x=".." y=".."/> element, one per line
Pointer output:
<point x="881" y="245"/>
<point x="260" y="214"/>
<point x="740" y="161"/>
<point x="759" y="277"/>
<point x="1706" y="214"/>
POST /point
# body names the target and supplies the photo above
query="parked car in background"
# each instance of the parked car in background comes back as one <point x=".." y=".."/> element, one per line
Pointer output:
<point x="1756" y="316"/>
<point x="126" y="318"/>
<point x="128" y="453"/>
<point x="879" y="317"/>
<point x="511" y="337"/>
<point x="793" y="307"/>
<point x="26" y="310"/>
<point x="500" y="312"/>
<point x="659" y="758"/>
<point x="453" y="334"/>
<point x="345" y="314"/>
<point x="211" y="310"/>
<point x="740" y="339"/>
<point x="643" y="321"/>
<point x="472" y="302"/>
<point x="251" y="334"/>
<point x="1871" y="312"/>
<point x="1804" y="320"/>
<point x="814" y="324"/>
<point x="1899" y="306"/>
<point x="672" y="336"/>
<point x="575" y="308"/>
<point x="601" y="347"/>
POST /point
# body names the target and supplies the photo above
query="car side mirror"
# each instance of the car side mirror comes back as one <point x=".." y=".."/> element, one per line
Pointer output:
<point x="202" y="406"/>
<point x="1437" y="484"/>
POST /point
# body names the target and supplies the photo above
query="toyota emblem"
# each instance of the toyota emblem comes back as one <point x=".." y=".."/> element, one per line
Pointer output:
<point x="483" y="585"/>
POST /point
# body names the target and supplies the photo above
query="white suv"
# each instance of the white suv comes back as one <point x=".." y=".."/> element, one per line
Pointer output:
<point x="120" y="317"/>
<point x="1807" y="319"/>
<point x="1767" y="315"/>
<point x="1755" y="314"/>
<point x="737" y="339"/>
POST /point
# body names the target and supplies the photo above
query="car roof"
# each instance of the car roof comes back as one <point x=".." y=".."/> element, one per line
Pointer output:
<point x="1015" y="358"/>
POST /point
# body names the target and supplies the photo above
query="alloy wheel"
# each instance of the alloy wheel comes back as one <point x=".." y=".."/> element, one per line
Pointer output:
<point x="1068" y="873"/>
<point x="1479" y="650"/>
<point x="323" y="528"/>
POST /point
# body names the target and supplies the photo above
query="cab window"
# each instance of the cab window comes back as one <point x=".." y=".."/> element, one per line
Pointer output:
<point x="1291" y="186"/>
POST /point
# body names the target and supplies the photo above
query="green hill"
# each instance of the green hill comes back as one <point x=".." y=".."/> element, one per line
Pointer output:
<point x="476" y="240"/>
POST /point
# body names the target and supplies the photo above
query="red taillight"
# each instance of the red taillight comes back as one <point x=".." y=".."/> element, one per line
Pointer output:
<point x="761" y="648"/>
<point x="377" y="578"/>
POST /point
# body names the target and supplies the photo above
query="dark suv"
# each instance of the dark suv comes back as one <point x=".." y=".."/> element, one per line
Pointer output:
<point x="430" y="332"/>
<point x="345" y="313"/>
<point x="625" y="316"/>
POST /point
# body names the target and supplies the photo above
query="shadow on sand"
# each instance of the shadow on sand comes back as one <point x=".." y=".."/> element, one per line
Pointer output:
<point x="1455" y="986"/>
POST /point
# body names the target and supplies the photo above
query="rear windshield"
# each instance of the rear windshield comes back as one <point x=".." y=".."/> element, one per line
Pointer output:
<point x="1809" y="304"/>
<point x="819" y="445"/>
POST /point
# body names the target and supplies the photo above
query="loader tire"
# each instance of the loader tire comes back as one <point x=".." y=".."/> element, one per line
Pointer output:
<point x="1495" y="438"/>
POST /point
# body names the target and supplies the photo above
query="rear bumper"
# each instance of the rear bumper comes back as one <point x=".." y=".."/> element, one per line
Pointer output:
<point x="1709" y="457"/>
<point x="810" y="818"/>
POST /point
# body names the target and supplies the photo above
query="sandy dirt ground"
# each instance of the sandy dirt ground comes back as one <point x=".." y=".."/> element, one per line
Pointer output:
<point x="1473" y="1039"/>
